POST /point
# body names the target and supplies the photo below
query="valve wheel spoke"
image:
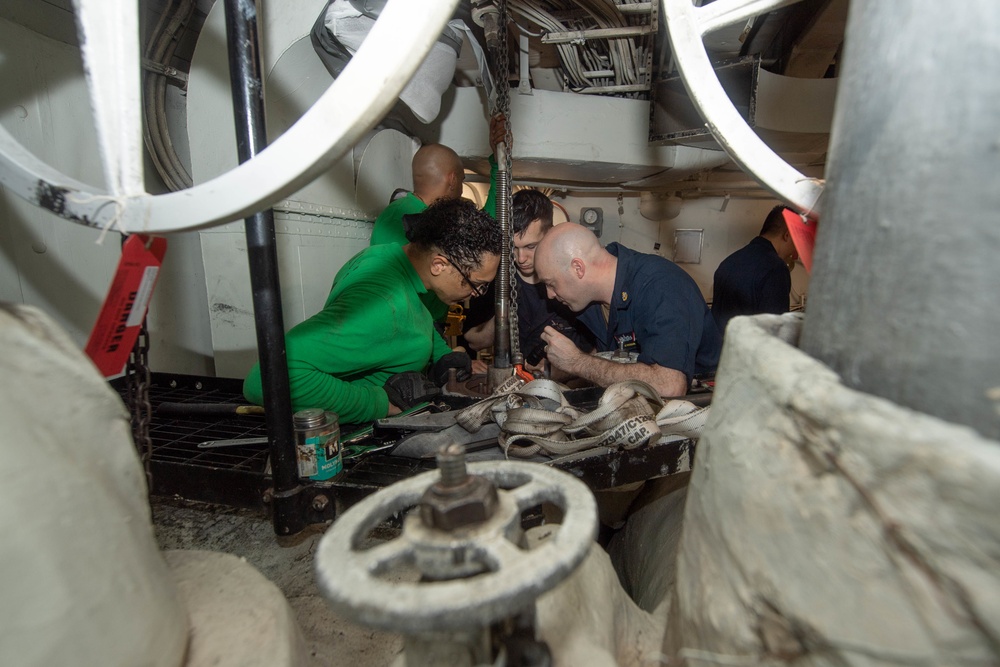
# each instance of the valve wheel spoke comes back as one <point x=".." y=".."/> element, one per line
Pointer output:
<point x="383" y="557"/>
<point x="532" y="493"/>
<point x="727" y="12"/>
<point x="686" y="25"/>
<point x="349" y="578"/>
<point x="504" y="555"/>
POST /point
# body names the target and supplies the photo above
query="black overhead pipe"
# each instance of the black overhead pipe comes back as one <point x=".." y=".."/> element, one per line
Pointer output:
<point x="251" y="137"/>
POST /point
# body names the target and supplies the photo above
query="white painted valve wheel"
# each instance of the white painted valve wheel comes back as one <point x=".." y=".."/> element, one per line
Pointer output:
<point x="352" y="578"/>
<point x="687" y="25"/>
<point x="353" y="104"/>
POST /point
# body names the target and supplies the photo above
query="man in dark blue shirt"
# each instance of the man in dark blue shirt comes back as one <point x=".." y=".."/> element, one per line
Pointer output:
<point x="755" y="278"/>
<point x="632" y="302"/>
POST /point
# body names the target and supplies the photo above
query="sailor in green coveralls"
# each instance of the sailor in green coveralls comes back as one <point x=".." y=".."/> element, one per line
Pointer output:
<point x="438" y="174"/>
<point x="374" y="324"/>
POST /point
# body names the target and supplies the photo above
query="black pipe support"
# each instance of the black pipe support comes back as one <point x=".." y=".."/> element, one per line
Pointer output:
<point x="287" y="516"/>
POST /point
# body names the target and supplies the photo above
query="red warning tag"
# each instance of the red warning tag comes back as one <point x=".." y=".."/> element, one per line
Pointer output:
<point x="803" y="231"/>
<point x="124" y="308"/>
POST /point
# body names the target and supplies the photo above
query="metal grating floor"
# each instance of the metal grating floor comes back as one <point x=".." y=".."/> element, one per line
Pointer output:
<point x="236" y="476"/>
<point x="176" y="438"/>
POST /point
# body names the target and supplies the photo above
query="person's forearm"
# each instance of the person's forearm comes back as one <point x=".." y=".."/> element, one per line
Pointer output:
<point x="561" y="375"/>
<point x="439" y="346"/>
<point x="354" y="402"/>
<point x="666" y="381"/>
<point x="480" y="337"/>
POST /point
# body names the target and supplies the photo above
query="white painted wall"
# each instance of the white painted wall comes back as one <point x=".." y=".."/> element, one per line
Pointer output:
<point x="43" y="104"/>
<point x="201" y="316"/>
<point x="319" y="227"/>
<point x="57" y="265"/>
<point x="727" y="227"/>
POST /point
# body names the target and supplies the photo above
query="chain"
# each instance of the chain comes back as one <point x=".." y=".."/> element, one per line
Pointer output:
<point x="137" y="381"/>
<point x="503" y="106"/>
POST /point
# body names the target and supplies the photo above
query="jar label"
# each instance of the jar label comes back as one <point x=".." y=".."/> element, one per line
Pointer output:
<point x="325" y="448"/>
<point x="306" y="456"/>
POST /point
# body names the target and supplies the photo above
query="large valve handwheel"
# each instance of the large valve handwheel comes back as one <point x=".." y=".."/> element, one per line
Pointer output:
<point x="352" y="578"/>
<point x="687" y="25"/>
<point x="109" y="29"/>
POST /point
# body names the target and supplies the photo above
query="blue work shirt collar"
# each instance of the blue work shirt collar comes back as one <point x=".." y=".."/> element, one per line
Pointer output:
<point x="621" y="298"/>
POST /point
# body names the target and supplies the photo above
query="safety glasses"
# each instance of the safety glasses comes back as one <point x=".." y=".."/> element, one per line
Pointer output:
<point x="478" y="289"/>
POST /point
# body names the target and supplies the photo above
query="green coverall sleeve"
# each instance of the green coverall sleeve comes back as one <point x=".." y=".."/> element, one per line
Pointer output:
<point x="354" y="402"/>
<point x="339" y="359"/>
<point x="491" y="199"/>
<point x="440" y="347"/>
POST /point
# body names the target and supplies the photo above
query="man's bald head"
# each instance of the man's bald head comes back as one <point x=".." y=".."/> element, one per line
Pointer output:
<point x="574" y="266"/>
<point x="566" y="241"/>
<point x="437" y="173"/>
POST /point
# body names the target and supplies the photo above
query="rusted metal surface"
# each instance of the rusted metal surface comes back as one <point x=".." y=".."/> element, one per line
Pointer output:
<point x="604" y="468"/>
<point x="475" y="387"/>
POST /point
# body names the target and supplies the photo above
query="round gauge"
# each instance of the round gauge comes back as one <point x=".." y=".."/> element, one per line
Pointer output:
<point x="590" y="216"/>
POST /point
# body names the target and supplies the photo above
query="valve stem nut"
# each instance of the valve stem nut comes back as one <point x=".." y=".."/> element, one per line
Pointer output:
<point x="458" y="499"/>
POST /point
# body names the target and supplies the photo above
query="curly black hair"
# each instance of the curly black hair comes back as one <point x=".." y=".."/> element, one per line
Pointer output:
<point x="530" y="205"/>
<point x="458" y="229"/>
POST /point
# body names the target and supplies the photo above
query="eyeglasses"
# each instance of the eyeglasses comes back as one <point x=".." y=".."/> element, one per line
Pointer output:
<point x="478" y="289"/>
